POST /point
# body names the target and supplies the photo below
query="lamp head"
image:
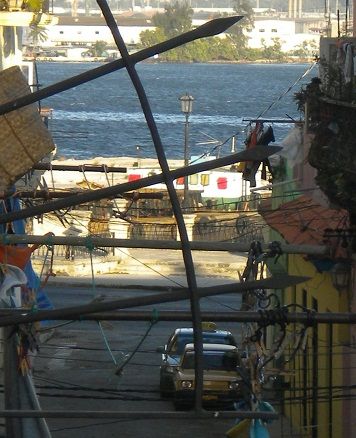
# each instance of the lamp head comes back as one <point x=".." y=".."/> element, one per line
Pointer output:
<point x="186" y="102"/>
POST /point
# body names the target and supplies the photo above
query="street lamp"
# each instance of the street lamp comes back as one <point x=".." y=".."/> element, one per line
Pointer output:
<point x="340" y="275"/>
<point x="186" y="102"/>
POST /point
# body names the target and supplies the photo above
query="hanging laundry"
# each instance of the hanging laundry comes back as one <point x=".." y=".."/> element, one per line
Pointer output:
<point x="349" y="62"/>
<point x="11" y="276"/>
<point x="258" y="136"/>
<point x="32" y="294"/>
<point x="345" y="60"/>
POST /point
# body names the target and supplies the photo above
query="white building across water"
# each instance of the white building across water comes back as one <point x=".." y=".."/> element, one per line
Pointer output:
<point x="82" y="31"/>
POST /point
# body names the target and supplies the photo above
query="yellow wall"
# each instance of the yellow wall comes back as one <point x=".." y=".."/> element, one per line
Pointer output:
<point x="311" y="398"/>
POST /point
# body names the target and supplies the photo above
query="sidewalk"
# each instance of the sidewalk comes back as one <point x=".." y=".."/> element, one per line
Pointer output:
<point x="159" y="269"/>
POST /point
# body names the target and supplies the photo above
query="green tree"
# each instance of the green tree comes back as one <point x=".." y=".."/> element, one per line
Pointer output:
<point x="98" y="48"/>
<point x="237" y="32"/>
<point x="37" y="33"/>
<point x="244" y="8"/>
<point x="151" y="37"/>
<point x="305" y="49"/>
<point x="176" y="19"/>
<point x="274" y="51"/>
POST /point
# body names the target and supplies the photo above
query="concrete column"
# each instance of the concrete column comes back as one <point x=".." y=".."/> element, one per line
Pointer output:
<point x="290" y="8"/>
<point x="120" y="230"/>
<point x="189" y="220"/>
<point x="300" y="7"/>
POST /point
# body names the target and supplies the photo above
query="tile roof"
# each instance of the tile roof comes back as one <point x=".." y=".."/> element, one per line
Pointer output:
<point x="304" y="221"/>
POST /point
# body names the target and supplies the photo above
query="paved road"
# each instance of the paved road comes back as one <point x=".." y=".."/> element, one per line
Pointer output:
<point x="75" y="370"/>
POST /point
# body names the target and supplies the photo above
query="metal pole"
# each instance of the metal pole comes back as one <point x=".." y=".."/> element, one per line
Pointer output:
<point x="53" y="194"/>
<point x="11" y="239"/>
<point x="42" y="426"/>
<point x="11" y="386"/>
<point x="186" y="160"/>
<point x="258" y="153"/>
<point x="237" y="316"/>
<point x="80" y="168"/>
<point x="151" y="415"/>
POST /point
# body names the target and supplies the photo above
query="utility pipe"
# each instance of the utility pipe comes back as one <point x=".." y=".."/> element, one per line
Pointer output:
<point x="11" y="239"/>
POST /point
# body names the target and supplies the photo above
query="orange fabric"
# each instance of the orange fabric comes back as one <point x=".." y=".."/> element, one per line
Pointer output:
<point x="16" y="255"/>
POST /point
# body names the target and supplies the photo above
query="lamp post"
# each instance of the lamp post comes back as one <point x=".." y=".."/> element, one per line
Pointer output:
<point x="340" y="275"/>
<point x="187" y="108"/>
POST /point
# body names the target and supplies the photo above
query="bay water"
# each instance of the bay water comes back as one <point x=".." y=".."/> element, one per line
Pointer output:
<point x="103" y="118"/>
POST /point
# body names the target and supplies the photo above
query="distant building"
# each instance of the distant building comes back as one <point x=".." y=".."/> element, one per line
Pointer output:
<point x="291" y="32"/>
<point x="83" y="31"/>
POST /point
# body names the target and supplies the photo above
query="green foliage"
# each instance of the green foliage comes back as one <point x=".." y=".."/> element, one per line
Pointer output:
<point x="37" y="33"/>
<point x="202" y="50"/>
<point x="244" y="7"/>
<point x="305" y="50"/>
<point x="176" y="19"/>
<point x="34" y="5"/>
<point x="151" y="37"/>
<point x="236" y="32"/>
<point x="332" y="154"/>
<point x="98" y="48"/>
<point x="273" y="52"/>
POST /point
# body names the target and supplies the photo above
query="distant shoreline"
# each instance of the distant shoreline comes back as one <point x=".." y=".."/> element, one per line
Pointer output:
<point x="158" y="61"/>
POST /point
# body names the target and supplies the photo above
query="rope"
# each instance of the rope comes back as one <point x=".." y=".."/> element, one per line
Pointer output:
<point x="107" y="343"/>
<point x="90" y="246"/>
<point x="154" y="320"/>
<point x="309" y="69"/>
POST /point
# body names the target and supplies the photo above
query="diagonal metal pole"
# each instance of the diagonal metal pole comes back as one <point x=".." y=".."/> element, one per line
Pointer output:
<point x="258" y="153"/>
<point x="161" y="156"/>
<point x="211" y="28"/>
<point x="276" y="282"/>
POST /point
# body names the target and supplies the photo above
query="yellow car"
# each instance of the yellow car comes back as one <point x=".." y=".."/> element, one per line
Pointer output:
<point x="222" y="384"/>
<point x="174" y="349"/>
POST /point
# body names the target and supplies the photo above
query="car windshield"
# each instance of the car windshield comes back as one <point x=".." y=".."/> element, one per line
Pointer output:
<point x="208" y="338"/>
<point x="213" y="360"/>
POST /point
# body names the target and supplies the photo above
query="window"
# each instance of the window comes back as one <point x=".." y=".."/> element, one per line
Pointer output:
<point x="261" y="30"/>
<point x="274" y="30"/>
<point x="96" y="32"/>
<point x="204" y="179"/>
<point x="61" y="32"/>
<point x="193" y="179"/>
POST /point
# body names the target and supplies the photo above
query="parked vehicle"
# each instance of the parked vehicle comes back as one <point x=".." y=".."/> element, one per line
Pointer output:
<point x="222" y="383"/>
<point x="173" y="350"/>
